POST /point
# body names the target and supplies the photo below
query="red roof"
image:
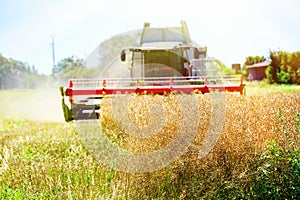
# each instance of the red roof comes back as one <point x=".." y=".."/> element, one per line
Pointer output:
<point x="258" y="65"/>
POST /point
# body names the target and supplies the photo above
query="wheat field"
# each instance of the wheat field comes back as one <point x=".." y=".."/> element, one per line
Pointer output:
<point x="48" y="160"/>
<point x="250" y="122"/>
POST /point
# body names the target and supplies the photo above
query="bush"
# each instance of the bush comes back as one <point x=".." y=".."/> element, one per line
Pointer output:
<point x="283" y="77"/>
<point x="278" y="174"/>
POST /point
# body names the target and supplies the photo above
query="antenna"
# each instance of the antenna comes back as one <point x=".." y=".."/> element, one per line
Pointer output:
<point x="53" y="50"/>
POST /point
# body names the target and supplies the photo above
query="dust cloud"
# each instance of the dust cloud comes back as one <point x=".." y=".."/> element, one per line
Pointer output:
<point x="32" y="104"/>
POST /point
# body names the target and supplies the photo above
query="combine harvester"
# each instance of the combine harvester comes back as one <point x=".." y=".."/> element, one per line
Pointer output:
<point x="167" y="61"/>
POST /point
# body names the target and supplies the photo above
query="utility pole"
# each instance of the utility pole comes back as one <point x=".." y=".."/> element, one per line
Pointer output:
<point x="53" y="50"/>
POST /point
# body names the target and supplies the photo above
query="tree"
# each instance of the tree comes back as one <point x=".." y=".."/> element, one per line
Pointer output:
<point x="67" y="64"/>
<point x="284" y="67"/>
<point x="3" y="71"/>
<point x="67" y="68"/>
<point x="251" y="60"/>
<point x="110" y="49"/>
<point x="223" y="70"/>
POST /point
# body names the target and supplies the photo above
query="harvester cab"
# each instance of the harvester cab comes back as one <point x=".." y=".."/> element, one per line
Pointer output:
<point x="165" y="52"/>
<point x="166" y="61"/>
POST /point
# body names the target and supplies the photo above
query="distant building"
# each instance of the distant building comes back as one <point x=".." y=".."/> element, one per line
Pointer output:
<point x="236" y="67"/>
<point x="256" y="72"/>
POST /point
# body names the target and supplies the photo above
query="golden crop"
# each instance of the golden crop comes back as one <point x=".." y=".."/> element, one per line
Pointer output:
<point x="250" y="122"/>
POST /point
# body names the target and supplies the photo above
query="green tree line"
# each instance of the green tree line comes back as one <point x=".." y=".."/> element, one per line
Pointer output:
<point x="17" y="74"/>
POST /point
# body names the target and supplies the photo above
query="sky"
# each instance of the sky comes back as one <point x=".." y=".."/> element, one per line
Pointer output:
<point x="231" y="29"/>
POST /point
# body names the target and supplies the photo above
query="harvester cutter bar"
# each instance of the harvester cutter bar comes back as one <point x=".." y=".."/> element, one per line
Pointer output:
<point x="85" y="94"/>
<point x="155" y="85"/>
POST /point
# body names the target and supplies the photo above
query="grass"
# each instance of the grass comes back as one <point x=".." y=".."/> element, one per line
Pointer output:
<point x="263" y="87"/>
<point x="256" y="157"/>
<point x="47" y="160"/>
